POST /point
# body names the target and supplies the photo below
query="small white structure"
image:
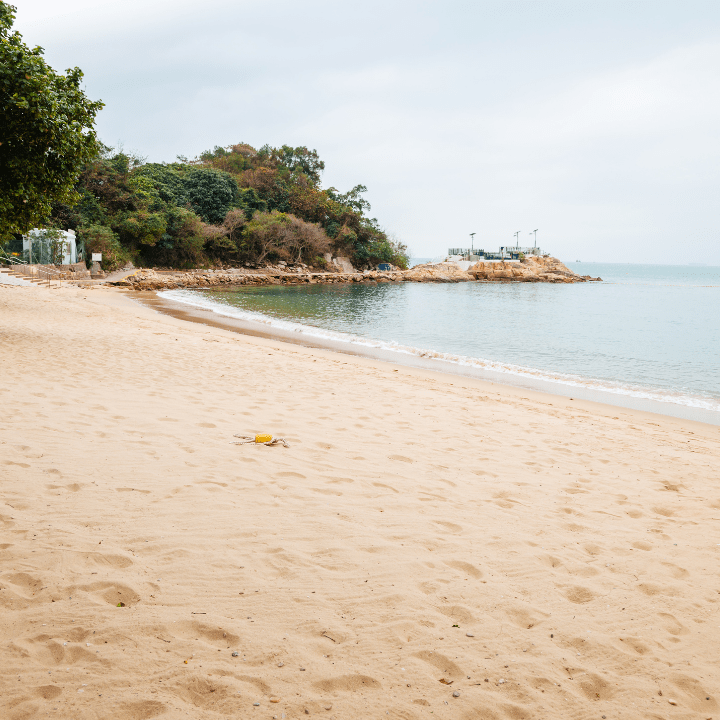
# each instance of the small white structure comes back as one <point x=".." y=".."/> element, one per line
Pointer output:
<point x="505" y="253"/>
<point x="42" y="247"/>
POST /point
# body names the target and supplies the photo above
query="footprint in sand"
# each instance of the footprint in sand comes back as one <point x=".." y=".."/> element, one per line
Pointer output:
<point x="452" y="527"/>
<point x="112" y="561"/>
<point x="218" y="635"/>
<point x="652" y="589"/>
<point x="387" y="487"/>
<point x="466" y="568"/>
<point x="348" y="683"/>
<point x="676" y="571"/>
<point x="642" y="545"/>
<point x="551" y="561"/>
<point x="579" y="595"/>
<point x="55" y="650"/>
<point x="457" y="613"/>
<point x="672" y="487"/>
<point x="440" y="662"/>
<point x="26" y="585"/>
<point x="672" y="624"/>
<point x="142" y="710"/>
<point x="594" y="687"/>
<point x="695" y="694"/>
<point x="524" y="618"/>
<point x="113" y="593"/>
<point x="634" y="644"/>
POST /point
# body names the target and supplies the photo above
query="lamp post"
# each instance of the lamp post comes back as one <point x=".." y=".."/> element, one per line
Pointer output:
<point x="517" y="241"/>
<point x="534" y="232"/>
<point x="472" y="244"/>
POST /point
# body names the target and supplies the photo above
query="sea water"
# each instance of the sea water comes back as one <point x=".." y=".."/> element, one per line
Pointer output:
<point x="648" y="336"/>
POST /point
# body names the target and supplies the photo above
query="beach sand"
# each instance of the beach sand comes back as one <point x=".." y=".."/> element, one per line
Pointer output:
<point x="428" y="545"/>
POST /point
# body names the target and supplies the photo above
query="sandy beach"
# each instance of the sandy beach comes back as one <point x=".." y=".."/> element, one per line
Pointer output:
<point x="428" y="545"/>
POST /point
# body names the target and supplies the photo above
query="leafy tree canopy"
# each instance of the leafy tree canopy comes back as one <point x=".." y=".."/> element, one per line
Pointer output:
<point x="232" y="205"/>
<point x="46" y="132"/>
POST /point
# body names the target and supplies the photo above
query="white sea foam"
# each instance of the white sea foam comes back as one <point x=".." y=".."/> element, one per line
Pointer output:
<point x="198" y="300"/>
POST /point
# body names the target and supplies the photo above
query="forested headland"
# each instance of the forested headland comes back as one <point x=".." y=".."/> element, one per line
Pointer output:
<point x="230" y="206"/>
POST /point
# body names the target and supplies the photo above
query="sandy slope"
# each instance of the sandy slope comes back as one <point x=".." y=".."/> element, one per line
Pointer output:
<point x="552" y="559"/>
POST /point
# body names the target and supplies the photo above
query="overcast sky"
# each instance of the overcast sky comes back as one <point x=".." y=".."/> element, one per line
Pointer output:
<point x="596" y="122"/>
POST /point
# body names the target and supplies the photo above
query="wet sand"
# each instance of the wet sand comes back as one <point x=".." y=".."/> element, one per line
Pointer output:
<point x="428" y="545"/>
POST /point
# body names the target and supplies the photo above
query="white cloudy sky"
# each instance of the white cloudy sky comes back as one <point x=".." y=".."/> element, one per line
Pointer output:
<point x="596" y="121"/>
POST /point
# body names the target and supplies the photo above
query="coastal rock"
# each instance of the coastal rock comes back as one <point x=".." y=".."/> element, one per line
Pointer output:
<point x="532" y="269"/>
<point x="344" y="264"/>
<point x="529" y="269"/>
<point x="437" y="272"/>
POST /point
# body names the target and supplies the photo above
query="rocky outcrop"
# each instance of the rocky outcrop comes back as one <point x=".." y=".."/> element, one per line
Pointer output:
<point x="171" y="280"/>
<point x="528" y="270"/>
<point x="343" y="264"/>
<point x="448" y="272"/>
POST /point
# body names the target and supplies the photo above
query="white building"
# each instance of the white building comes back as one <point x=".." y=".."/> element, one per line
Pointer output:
<point x="41" y="247"/>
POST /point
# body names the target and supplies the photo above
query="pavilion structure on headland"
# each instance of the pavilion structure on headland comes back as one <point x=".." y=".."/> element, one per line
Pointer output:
<point x="504" y="253"/>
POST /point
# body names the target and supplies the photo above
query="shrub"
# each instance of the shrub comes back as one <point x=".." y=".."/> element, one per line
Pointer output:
<point x="101" y="239"/>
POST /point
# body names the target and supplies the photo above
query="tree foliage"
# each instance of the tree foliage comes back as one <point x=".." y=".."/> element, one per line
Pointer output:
<point x="288" y="181"/>
<point x="230" y="206"/>
<point x="46" y="132"/>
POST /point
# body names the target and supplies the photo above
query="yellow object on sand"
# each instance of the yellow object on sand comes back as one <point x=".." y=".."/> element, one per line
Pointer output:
<point x="261" y="439"/>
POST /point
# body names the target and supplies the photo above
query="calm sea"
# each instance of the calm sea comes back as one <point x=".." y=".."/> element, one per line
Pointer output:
<point x="647" y="337"/>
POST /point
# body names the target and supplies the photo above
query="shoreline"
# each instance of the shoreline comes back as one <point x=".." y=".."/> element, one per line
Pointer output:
<point x="533" y="269"/>
<point x="427" y="544"/>
<point x="524" y="382"/>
